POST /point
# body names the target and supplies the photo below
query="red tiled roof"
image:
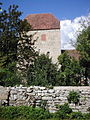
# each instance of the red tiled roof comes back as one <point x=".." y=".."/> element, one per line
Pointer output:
<point x="43" y="21"/>
<point x="73" y="53"/>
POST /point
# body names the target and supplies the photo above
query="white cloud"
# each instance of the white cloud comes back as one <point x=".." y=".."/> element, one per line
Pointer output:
<point x="69" y="30"/>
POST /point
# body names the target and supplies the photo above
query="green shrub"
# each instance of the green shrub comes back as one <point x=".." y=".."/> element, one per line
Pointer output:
<point x="9" y="76"/>
<point x="9" y="112"/>
<point x="63" y="111"/>
<point x="43" y="104"/>
<point x="76" y="115"/>
<point x="29" y="113"/>
<point x="73" y="97"/>
<point x="60" y="114"/>
<point x="86" y="116"/>
<point x="43" y="72"/>
<point x="65" y="108"/>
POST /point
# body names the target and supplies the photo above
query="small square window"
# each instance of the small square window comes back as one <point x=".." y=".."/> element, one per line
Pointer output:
<point x="43" y="37"/>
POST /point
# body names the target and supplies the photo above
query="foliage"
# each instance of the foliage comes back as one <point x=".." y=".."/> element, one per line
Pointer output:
<point x="30" y="113"/>
<point x="60" y="115"/>
<point x="43" y="104"/>
<point x="43" y="72"/>
<point x="63" y="111"/>
<point x="26" y="53"/>
<point x="70" y="72"/>
<point x="8" y="76"/>
<point x="83" y="46"/>
<point x="9" y="28"/>
<point x="86" y="116"/>
<point x="73" y="97"/>
<point x="15" y="44"/>
<point x="26" y="112"/>
<point x="64" y="108"/>
<point x="76" y="115"/>
<point x="64" y="60"/>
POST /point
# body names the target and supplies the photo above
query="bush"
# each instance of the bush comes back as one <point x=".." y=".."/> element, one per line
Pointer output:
<point x="70" y="71"/>
<point x="60" y="114"/>
<point x="76" y="115"/>
<point x="30" y="113"/>
<point x="43" y="72"/>
<point x="9" y="112"/>
<point x="86" y="116"/>
<point x="73" y="97"/>
<point x="9" y="76"/>
<point x="43" y="104"/>
<point x="63" y="111"/>
<point x="64" y="108"/>
<point x="26" y="112"/>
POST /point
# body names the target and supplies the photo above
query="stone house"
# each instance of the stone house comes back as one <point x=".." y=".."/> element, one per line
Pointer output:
<point x="47" y="29"/>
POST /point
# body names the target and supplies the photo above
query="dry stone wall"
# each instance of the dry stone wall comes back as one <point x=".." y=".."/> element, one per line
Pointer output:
<point x="34" y="95"/>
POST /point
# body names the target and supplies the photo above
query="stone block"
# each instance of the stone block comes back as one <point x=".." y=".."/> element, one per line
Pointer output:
<point x="3" y="93"/>
<point x="46" y="98"/>
<point x="51" y="91"/>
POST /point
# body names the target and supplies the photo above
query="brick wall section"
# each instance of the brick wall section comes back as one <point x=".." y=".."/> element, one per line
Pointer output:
<point x="33" y="95"/>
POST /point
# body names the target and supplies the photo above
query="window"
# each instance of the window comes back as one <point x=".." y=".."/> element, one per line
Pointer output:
<point x="43" y="37"/>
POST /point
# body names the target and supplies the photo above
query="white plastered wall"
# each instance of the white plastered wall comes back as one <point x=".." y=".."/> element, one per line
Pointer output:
<point x="52" y="44"/>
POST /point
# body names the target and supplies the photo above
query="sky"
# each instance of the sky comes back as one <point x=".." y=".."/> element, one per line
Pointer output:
<point x="69" y="12"/>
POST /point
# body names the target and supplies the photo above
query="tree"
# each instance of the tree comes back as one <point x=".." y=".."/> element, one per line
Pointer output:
<point x="15" y="44"/>
<point x="43" y="72"/>
<point x="9" y="76"/>
<point x="70" y="72"/>
<point x="26" y="53"/>
<point x="83" y="46"/>
<point x="64" y="60"/>
<point x="9" y="24"/>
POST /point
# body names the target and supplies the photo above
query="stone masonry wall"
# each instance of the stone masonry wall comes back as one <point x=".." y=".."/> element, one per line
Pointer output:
<point x="34" y="95"/>
<point x="51" y="44"/>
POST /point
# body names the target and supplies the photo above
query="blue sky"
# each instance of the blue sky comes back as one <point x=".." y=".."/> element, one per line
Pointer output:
<point x="62" y="9"/>
<point x="69" y="12"/>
